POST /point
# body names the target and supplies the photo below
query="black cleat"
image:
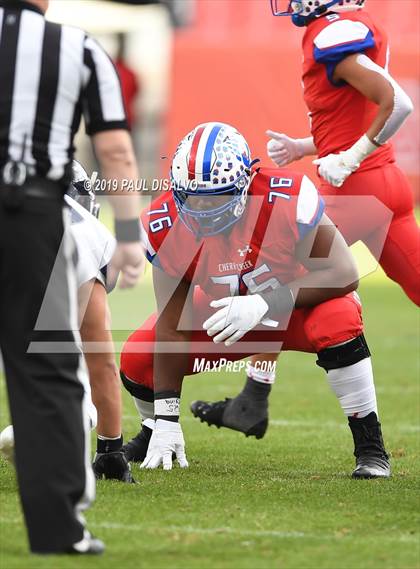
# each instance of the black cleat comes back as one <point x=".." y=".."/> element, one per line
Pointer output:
<point x="112" y="466"/>
<point x="136" y="449"/>
<point x="372" y="460"/>
<point x="241" y="413"/>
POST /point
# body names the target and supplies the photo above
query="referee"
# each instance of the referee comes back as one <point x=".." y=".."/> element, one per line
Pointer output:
<point x="51" y="75"/>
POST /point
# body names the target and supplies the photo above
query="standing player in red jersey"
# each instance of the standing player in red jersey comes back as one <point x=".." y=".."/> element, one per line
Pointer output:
<point x="256" y="245"/>
<point x="355" y="107"/>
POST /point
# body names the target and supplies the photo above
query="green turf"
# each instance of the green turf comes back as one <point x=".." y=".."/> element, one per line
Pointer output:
<point x="283" y="502"/>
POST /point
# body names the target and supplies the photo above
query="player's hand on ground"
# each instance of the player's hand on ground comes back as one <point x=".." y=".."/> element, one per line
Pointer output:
<point x="282" y="149"/>
<point x="236" y="316"/>
<point x="129" y="260"/>
<point x="333" y="169"/>
<point x="167" y="438"/>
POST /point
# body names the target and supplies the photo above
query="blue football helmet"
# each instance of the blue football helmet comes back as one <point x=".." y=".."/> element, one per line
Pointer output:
<point x="210" y="177"/>
<point x="303" y="12"/>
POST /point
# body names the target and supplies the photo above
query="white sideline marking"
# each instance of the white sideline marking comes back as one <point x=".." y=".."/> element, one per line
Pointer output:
<point x="210" y="531"/>
<point x="223" y="531"/>
<point x="406" y="538"/>
<point x="404" y="428"/>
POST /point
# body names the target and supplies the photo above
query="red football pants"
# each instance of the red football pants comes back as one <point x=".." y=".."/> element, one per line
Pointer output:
<point x="391" y="233"/>
<point x="309" y="330"/>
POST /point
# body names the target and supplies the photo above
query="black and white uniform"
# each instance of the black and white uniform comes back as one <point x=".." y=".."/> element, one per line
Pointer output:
<point x="50" y="75"/>
<point x="95" y="246"/>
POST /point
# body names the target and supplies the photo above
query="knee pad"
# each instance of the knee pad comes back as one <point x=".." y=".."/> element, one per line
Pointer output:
<point x="344" y="355"/>
<point x="136" y="389"/>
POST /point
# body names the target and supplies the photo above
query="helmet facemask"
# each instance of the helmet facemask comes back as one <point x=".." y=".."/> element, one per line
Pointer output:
<point x="227" y="206"/>
<point x="84" y="197"/>
<point x="80" y="190"/>
<point x="303" y="12"/>
<point x="210" y="177"/>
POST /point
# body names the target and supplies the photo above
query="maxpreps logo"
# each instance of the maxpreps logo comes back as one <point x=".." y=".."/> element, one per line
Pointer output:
<point x="201" y="365"/>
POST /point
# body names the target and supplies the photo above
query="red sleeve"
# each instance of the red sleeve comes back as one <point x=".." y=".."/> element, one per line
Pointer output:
<point x="164" y="238"/>
<point x="156" y="221"/>
<point x="295" y="202"/>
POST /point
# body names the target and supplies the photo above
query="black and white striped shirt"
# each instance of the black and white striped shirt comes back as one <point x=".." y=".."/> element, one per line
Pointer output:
<point x="51" y="75"/>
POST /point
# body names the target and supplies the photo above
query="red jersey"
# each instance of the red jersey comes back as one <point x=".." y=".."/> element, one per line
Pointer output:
<point x="340" y="114"/>
<point x="256" y="253"/>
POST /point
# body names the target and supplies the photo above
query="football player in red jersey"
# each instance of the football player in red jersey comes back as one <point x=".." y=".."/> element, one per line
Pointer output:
<point x="245" y="256"/>
<point x="355" y="107"/>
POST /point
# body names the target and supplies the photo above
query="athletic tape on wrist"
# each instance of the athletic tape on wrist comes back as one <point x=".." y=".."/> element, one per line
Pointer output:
<point x="358" y="152"/>
<point x="167" y="407"/>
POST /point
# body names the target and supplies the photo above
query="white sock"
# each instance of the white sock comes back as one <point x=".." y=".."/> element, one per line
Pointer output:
<point x="102" y="438"/>
<point x="354" y="388"/>
<point x="92" y="412"/>
<point x="262" y="375"/>
<point x="145" y="408"/>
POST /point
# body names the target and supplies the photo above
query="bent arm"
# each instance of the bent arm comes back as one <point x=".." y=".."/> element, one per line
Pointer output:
<point x="332" y="271"/>
<point x="378" y="86"/>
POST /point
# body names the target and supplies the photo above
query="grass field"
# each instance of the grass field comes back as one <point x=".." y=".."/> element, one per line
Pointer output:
<point x="283" y="502"/>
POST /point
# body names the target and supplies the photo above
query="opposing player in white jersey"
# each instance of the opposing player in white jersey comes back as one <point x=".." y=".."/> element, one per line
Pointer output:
<point x="95" y="246"/>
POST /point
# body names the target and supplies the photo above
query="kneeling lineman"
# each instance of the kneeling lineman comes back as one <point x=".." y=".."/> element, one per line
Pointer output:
<point x="249" y="255"/>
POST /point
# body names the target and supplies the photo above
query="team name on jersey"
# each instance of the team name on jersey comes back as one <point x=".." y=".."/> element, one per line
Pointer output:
<point x="224" y="267"/>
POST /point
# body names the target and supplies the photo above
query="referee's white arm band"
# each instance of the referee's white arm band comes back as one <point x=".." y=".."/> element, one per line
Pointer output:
<point x="403" y="105"/>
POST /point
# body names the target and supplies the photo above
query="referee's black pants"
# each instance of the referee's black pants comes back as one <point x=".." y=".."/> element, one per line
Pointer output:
<point x="45" y="394"/>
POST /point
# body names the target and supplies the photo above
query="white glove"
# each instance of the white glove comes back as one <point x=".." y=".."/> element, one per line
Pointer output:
<point x="237" y="316"/>
<point x="336" y="168"/>
<point x="167" y="438"/>
<point x="282" y="149"/>
<point x="333" y="169"/>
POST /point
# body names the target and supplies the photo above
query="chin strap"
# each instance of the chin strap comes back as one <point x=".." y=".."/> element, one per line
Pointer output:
<point x="255" y="161"/>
